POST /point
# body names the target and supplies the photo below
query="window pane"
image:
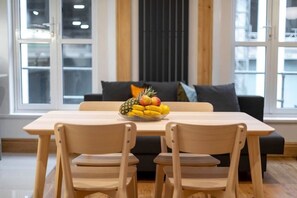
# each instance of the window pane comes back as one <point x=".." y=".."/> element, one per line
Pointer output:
<point x="35" y="61"/>
<point x="250" y="70"/>
<point x="77" y="72"/>
<point x="287" y="78"/>
<point x="250" y="22"/>
<point x="288" y="20"/>
<point x="77" y="21"/>
<point x="34" y="19"/>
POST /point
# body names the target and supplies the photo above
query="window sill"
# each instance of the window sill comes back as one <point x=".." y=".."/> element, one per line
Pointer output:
<point x="281" y="120"/>
<point x="21" y="115"/>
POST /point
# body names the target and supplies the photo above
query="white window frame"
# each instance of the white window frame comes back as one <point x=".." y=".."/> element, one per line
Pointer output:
<point x="56" y="70"/>
<point x="223" y="60"/>
<point x="272" y="91"/>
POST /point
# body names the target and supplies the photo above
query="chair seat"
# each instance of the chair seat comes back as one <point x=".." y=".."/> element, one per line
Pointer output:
<point x="87" y="178"/>
<point x="113" y="159"/>
<point x="201" y="178"/>
<point x="187" y="159"/>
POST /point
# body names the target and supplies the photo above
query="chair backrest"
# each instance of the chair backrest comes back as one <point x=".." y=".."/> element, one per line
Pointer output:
<point x="202" y="138"/>
<point x="206" y="139"/>
<point x="100" y="105"/>
<point x="94" y="139"/>
<point x="190" y="106"/>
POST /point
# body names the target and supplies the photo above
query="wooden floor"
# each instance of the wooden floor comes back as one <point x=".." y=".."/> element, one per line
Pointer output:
<point x="280" y="181"/>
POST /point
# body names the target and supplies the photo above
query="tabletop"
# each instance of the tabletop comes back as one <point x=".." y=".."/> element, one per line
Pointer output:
<point x="44" y="125"/>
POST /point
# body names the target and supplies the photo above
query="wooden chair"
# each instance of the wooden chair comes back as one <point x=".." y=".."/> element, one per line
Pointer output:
<point x="204" y="139"/>
<point x="100" y="105"/>
<point x="81" y="181"/>
<point x="104" y="160"/>
<point x="190" y="106"/>
<point x="165" y="159"/>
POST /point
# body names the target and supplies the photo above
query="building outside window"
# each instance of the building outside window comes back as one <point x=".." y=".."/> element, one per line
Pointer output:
<point x="266" y="52"/>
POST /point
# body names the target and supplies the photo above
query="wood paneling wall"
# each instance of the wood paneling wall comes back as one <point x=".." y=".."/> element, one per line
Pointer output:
<point x="124" y="41"/>
<point x="205" y="23"/>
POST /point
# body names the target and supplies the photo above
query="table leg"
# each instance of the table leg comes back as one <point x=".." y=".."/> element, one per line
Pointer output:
<point x="42" y="158"/>
<point x="163" y="145"/>
<point x="58" y="176"/>
<point x="255" y="165"/>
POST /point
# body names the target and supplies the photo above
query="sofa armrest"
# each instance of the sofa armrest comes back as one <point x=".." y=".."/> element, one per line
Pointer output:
<point x="93" y="97"/>
<point x="252" y="105"/>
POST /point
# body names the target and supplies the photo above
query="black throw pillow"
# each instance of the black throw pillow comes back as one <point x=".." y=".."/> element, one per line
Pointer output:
<point x="166" y="91"/>
<point x="222" y="97"/>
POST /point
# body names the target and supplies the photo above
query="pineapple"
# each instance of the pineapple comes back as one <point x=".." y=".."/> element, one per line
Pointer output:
<point x="127" y="106"/>
<point x="147" y="91"/>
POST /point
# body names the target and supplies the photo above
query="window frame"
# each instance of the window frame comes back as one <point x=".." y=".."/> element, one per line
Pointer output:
<point x="224" y="60"/>
<point x="56" y="68"/>
<point x="272" y="44"/>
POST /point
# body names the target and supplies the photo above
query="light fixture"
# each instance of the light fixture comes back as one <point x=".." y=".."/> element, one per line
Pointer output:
<point x="291" y="13"/>
<point x="35" y="12"/>
<point x="78" y="6"/>
<point x="76" y="22"/>
<point x="84" y="26"/>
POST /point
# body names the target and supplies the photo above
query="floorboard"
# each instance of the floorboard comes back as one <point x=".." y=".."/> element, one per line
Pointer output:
<point x="280" y="180"/>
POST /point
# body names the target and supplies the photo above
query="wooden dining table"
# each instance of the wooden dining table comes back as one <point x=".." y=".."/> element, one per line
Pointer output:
<point x="43" y="127"/>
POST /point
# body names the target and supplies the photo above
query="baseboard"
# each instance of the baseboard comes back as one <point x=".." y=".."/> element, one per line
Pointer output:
<point x="30" y="146"/>
<point x="20" y="145"/>
<point x="290" y="149"/>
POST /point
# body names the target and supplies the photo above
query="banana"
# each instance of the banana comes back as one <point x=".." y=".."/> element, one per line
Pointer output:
<point x="147" y="112"/>
<point x="154" y="108"/>
<point x="137" y="112"/>
<point x="131" y="114"/>
<point x="155" y="113"/>
<point x="138" y="107"/>
<point x="151" y="113"/>
<point x="164" y="109"/>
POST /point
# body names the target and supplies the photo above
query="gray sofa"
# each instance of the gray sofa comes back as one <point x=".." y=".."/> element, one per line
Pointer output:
<point x="147" y="148"/>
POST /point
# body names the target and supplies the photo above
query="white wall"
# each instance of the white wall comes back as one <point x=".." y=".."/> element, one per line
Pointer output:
<point x="11" y="125"/>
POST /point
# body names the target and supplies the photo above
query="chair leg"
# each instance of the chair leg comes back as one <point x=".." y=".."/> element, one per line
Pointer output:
<point x="132" y="188"/>
<point x="168" y="189"/>
<point x="58" y="176"/>
<point x="236" y="186"/>
<point x="135" y="187"/>
<point x="159" y="181"/>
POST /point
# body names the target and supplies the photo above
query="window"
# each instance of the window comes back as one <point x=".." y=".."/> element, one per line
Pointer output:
<point x="54" y="45"/>
<point x="265" y="52"/>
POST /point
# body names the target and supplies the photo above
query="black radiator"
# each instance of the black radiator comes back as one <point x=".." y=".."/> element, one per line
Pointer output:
<point x="163" y="40"/>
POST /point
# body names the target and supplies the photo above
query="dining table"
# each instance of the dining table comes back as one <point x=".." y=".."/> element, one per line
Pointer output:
<point x="43" y="127"/>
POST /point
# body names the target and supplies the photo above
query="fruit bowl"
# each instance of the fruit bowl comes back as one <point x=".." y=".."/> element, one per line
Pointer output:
<point x="143" y="118"/>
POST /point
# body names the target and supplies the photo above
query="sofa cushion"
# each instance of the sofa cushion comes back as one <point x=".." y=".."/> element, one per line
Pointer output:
<point x="92" y="97"/>
<point x="271" y="144"/>
<point x="147" y="145"/>
<point x="186" y="93"/>
<point x="166" y="91"/>
<point x="117" y="90"/>
<point x="222" y="97"/>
